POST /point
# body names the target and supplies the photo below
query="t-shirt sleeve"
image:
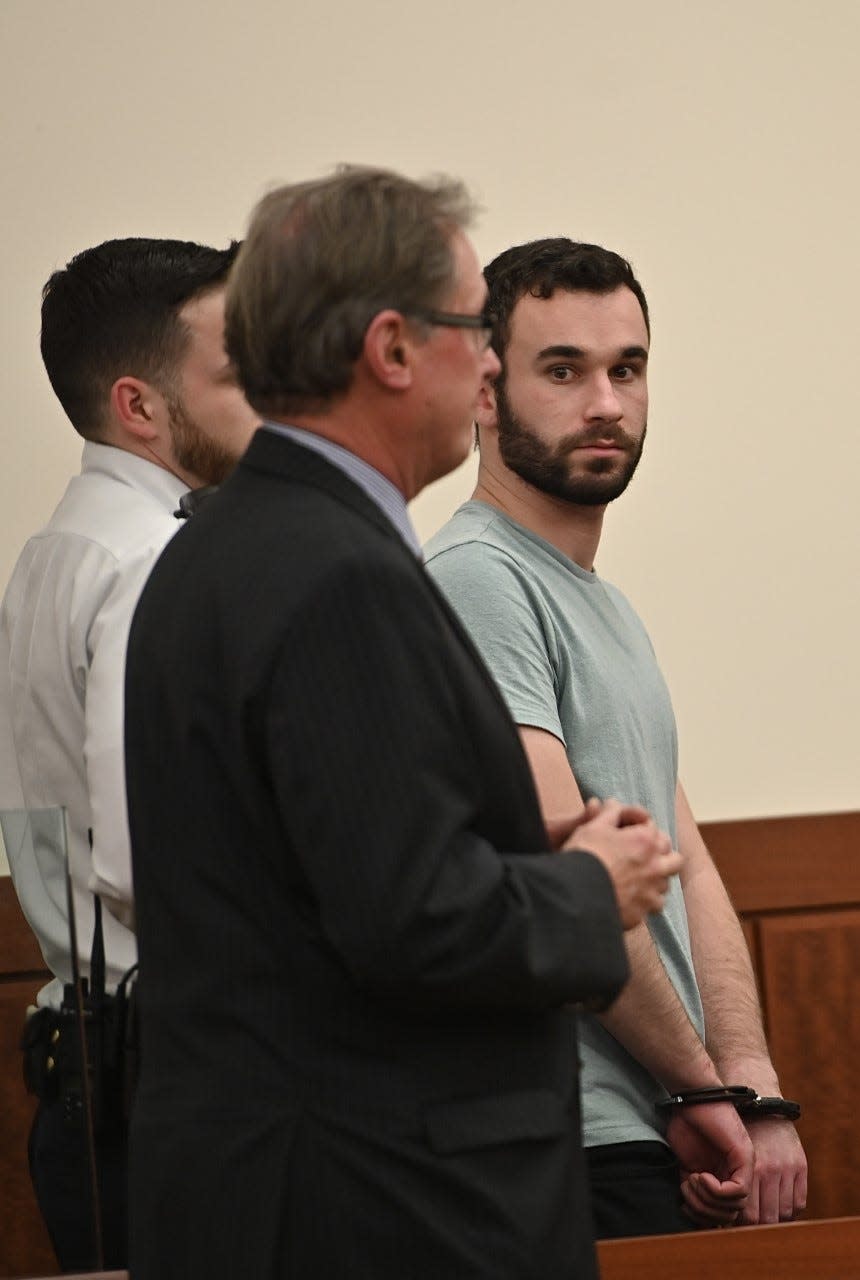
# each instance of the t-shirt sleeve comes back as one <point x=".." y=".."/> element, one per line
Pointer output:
<point x="503" y="612"/>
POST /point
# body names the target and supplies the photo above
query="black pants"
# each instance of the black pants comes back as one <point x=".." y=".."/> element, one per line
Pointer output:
<point x="60" y="1174"/>
<point x="635" y="1190"/>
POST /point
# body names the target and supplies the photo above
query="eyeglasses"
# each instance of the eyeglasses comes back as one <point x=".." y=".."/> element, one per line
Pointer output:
<point x="483" y="324"/>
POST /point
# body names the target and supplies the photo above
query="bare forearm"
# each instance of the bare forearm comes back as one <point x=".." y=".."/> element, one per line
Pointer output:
<point x="650" y="1021"/>
<point x="734" y="1032"/>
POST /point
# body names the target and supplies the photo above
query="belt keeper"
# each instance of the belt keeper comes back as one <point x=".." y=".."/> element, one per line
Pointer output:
<point x="747" y="1102"/>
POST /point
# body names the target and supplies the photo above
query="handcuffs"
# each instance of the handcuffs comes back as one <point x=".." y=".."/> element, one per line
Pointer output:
<point x="747" y="1102"/>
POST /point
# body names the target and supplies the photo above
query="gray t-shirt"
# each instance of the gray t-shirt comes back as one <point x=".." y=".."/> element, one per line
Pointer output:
<point x="571" y="657"/>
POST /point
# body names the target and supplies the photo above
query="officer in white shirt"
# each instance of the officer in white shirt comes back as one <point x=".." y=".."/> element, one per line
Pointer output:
<point x="132" y="340"/>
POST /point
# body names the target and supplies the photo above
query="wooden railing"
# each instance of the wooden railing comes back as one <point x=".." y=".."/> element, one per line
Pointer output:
<point x="825" y="1250"/>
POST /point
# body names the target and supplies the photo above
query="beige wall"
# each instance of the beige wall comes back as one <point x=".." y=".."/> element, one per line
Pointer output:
<point x="714" y="145"/>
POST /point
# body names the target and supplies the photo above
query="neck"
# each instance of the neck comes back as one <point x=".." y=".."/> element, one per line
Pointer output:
<point x="574" y="530"/>
<point x="363" y="434"/>
<point x="170" y="464"/>
<point x="152" y="454"/>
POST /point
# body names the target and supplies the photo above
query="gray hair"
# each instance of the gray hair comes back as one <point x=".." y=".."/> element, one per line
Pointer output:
<point x="320" y="260"/>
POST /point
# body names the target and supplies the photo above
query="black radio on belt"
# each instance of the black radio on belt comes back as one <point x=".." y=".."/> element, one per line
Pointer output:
<point x="51" y="1044"/>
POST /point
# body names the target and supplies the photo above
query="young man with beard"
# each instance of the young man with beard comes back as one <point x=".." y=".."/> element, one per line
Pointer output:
<point x="132" y="341"/>
<point x="561" y="433"/>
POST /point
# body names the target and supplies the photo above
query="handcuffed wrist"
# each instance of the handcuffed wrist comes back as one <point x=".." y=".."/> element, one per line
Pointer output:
<point x="749" y="1104"/>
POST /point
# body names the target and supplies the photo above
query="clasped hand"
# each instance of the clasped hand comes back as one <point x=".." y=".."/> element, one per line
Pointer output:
<point x="638" y="856"/>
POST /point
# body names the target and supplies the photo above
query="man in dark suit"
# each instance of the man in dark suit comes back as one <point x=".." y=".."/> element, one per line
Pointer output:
<point x="359" y="945"/>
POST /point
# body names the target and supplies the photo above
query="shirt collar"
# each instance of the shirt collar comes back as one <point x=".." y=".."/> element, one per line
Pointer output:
<point x="127" y="467"/>
<point x="378" y="487"/>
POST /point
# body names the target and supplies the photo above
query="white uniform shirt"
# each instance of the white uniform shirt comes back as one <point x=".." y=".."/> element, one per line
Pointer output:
<point x="64" y="624"/>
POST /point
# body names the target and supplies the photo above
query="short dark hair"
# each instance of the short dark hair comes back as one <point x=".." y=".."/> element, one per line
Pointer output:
<point x="542" y="266"/>
<point x="320" y="260"/>
<point x="114" y="310"/>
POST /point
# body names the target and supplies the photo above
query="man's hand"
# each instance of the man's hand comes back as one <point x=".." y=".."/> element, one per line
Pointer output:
<point x="717" y="1162"/>
<point x="638" y="856"/>
<point x="559" y="830"/>
<point x="778" y="1189"/>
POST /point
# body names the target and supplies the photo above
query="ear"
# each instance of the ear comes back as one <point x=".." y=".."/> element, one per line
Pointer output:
<point x="388" y="350"/>
<point x="485" y="410"/>
<point x="137" y="408"/>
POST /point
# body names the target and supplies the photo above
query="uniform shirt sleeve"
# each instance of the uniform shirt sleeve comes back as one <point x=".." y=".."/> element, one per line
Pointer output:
<point x="107" y="641"/>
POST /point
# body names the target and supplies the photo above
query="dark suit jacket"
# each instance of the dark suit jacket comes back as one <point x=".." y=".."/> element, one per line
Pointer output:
<point x="357" y="1059"/>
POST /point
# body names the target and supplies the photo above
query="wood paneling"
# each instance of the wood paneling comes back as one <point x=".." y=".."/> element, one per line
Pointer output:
<point x="780" y="864"/>
<point x="796" y="885"/>
<point x="812" y="989"/>
<point x="24" y="1244"/>
<point x="19" y="950"/>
